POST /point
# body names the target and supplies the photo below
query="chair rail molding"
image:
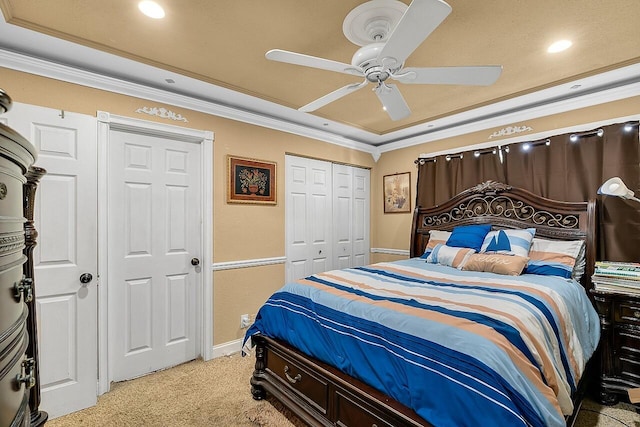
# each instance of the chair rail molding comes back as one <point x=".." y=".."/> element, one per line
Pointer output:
<point x="389" y="251"/>
<point x="229" y="265"/>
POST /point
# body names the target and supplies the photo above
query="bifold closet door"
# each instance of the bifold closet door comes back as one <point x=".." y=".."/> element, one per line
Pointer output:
<point x="350" y="216"/>
<point x="361" y="216"/>
<point x="308" y="216"/>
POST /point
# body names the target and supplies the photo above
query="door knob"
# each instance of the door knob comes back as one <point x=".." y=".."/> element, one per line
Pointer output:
<point x="195" y="261"/>
<point x="85" y="278"/>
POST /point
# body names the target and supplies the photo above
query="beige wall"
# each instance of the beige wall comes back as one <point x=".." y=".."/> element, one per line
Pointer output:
<point x="393" y="230"/>
<point x="244" y="232"/>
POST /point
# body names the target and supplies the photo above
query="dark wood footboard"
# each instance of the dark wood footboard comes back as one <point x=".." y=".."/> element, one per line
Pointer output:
<point x="320" y="395"/>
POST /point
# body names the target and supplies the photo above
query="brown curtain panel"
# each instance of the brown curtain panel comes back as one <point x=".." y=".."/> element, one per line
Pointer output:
<point x="567" y="168"/>
<point x="440" y="180"/>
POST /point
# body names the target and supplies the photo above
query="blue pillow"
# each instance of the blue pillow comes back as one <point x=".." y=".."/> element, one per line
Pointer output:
<point x="469" y="236"/>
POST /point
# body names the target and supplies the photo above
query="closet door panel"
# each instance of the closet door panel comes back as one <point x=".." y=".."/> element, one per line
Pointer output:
<point x="342" y="215"/>
<point x="308" y="217"/>
<point x="361" y="216"/>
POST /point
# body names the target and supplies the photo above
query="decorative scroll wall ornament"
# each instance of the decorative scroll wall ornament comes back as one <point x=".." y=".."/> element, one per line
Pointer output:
<point x="495" y="205"/>
<point x="510" y="130"/>
<point x="163" y="113"/>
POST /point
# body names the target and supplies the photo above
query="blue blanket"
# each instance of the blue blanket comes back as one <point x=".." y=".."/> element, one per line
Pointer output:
<point x="452" y="345"/>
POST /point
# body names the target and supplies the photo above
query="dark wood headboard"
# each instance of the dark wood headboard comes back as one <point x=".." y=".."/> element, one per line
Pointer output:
<point x="505" y="206"/>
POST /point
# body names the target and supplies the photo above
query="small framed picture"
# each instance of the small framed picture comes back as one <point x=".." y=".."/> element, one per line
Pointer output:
<point x="397" y="192"/>
<point x="251" y="181"/>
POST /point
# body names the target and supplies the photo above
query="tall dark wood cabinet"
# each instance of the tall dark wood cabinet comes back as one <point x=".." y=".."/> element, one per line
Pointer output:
<point x="33" y="176"/>
<point x="17" y="375"/>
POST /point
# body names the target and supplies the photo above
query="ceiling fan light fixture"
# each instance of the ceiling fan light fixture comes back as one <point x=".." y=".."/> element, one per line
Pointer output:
<point x="151" y="9"/>
<point x="559" y="46"/>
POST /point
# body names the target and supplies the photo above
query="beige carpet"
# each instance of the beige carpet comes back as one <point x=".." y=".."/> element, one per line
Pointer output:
<point x="217" y="393"/>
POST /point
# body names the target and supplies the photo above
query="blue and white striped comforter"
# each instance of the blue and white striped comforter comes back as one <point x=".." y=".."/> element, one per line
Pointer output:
<point x="455" y="346"/>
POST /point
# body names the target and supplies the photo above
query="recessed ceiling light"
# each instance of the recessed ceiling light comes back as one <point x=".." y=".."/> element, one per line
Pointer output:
<point x="151" y="9"/>
<point x="559" y="46"/>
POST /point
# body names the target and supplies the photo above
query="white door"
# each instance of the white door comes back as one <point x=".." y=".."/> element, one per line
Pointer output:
<point x="350" y="216"/>
<point x="154" y="233"/>
<point x="308" y="216"/>
<point x="65" y="218"/>
<point x="361" y="216"/>
<point x="343" y="215"/>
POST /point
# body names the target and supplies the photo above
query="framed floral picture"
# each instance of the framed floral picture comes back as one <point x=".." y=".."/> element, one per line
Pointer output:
<point x="251" y="181"/>
<point x="397" y="192"/>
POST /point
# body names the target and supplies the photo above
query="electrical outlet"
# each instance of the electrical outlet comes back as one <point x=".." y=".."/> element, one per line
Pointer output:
<point x="245" y="321"/>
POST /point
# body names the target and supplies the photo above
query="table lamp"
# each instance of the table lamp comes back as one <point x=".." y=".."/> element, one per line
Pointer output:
<point x="615" y="187"/>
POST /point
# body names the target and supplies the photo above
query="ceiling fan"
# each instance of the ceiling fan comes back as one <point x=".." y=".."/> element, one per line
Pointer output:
<point x="389" y="31"/>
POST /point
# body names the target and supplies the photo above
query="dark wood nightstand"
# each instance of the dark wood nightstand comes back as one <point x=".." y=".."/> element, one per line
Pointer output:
<point x="620" y="343"/>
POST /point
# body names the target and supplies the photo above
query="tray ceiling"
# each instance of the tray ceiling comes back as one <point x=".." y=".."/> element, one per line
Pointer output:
<point x="224" y="44"/>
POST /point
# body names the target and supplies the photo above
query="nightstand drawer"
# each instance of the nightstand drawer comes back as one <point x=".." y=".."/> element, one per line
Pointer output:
<point x="312" y="388"/>
<point x="628" y="312"/>
<point x="629" y="368"/>
<point x="627" y="341"/>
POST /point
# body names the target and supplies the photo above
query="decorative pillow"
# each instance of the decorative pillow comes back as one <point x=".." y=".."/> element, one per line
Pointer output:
<point x="446" y="255"/>
<point x="511" y="265"/>
<point x="554" y="257"/>
<point x="435" y="237"/>
<point x="469" y="236"/>
<point x="509" y="242"/>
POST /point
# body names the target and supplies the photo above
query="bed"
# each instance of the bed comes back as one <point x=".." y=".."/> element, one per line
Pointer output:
<point x="422" y="341"/>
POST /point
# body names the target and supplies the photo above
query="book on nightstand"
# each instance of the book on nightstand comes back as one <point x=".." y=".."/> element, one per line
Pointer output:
<point x="617" y="276"/>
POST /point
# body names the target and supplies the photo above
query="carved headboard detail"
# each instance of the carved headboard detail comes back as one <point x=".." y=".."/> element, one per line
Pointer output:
<point x="505" y="206"/>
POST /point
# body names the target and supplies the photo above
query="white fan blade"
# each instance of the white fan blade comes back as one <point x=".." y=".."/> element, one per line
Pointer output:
<point x="392" y="101"/>
<point x="312" y="61"/>
<point x="418" y="21"/>
<point x="333" y="96"/>
<point x="478" y="76"/>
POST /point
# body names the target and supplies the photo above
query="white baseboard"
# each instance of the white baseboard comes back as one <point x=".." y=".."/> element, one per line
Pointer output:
<point x="227" y="348"/>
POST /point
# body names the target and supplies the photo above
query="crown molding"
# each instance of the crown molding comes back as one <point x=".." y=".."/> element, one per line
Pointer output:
<point x="40" y="67"/>
<point x="610" y="86"/>
<point x="606" y="87"/>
